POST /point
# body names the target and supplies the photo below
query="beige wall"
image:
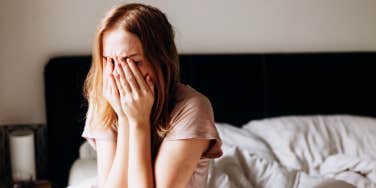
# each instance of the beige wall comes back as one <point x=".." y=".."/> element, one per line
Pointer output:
<point x="33" y="31"/>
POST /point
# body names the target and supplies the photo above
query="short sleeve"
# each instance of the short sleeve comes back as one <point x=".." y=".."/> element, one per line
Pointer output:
<point x="93" y="134"/>
<point x="194" y="119"/>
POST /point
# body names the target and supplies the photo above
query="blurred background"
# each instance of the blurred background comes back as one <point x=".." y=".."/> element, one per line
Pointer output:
<point x="31" y="32"/>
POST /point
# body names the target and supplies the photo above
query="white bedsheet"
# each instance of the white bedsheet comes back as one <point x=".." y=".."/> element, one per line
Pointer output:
<point x="298" y="152"/>
<point x="291" y="152"/>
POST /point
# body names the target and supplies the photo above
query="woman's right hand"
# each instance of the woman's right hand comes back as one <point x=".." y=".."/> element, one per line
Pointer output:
<point x="110" y="90"/>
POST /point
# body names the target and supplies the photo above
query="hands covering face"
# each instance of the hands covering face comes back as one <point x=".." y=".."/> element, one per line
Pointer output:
<point x="129" y="94"/>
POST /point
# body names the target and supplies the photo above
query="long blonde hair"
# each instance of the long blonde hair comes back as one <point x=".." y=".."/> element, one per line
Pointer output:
<point x="156" y="34"/>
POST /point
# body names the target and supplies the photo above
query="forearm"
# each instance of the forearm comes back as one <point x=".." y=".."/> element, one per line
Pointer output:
<point x="118" y="175"/>
<point x="140" y="162"/>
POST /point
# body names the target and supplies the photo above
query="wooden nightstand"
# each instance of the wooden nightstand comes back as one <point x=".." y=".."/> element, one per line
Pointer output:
<point x="40" y="134"/>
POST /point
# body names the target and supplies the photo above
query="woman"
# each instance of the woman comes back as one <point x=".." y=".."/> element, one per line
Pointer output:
<point x="148" y="129"/>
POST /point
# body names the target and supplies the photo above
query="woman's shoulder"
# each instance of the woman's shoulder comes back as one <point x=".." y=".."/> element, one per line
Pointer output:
<point x="185" y="96"/>
<point x="191" y="108"/>
<point x="189" y="103"/>
<point x="192" y="118"/>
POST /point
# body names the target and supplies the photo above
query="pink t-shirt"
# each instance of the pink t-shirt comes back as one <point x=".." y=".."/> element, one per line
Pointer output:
<point x="191" y="118"/>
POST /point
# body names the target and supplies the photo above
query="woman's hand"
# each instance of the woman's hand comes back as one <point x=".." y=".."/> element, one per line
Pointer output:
<point x="110" y="90"/>
<point x="136" y="93"/>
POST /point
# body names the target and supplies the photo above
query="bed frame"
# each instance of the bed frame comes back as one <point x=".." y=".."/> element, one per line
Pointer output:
<point x="241" y="87"/>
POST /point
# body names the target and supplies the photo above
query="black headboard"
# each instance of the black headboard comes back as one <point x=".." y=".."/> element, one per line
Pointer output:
<point x="241" y="87"/>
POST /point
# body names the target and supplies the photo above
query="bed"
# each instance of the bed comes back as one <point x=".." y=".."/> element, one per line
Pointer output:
<point x="286" y="119"/>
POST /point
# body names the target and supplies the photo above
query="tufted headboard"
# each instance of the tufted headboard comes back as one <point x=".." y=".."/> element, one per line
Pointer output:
<point x="241" y="87"/>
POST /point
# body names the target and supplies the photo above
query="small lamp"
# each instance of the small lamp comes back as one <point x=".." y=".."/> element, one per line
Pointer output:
<point x="22" y="154"/>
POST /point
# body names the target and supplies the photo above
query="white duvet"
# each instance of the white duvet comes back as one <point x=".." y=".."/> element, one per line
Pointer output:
<point x="286" y="152"/>
<point x="298" y="152"/>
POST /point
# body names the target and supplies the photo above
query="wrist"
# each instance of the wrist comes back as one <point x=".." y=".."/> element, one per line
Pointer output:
<point x="122" y="121"/>
<point x="122" y="118"/>
<point x="136" y="123"/>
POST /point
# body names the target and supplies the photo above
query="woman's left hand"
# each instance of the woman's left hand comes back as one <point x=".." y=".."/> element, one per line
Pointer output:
<point x="136" y="93"/>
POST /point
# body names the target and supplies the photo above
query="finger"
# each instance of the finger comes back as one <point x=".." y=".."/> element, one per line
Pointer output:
<point x="130" y="77"/>
<point x="109" y="87"/>
<point x="123" y="81"/>
<point x="109" y="72"/>
<point x="110" y="67"/>
<point x="119" y="86"/>
<point x="137" y="74"/>
<point x="119" y="67"/>
<point x="114" y="89"/>
<point x="116" y="70"/>
<point x="150" y="84"/>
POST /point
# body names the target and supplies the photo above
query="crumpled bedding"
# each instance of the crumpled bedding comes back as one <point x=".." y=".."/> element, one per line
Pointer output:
<point x="288" y="152"/>
<point x="297" y="152"/>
